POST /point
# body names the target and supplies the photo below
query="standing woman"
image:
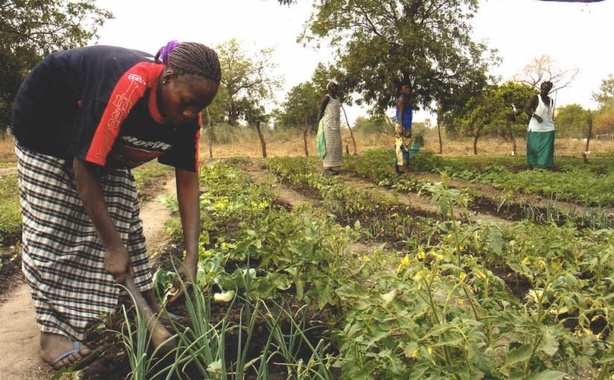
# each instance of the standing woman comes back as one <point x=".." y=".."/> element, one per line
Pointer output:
<point x="83" y="118"/>
<point x="402" y="140"/>
<point x="540" y="135"/>
<point x="329" y="130"/>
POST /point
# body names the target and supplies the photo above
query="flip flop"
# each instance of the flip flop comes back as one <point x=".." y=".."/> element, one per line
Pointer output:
<point x="331" y="172"/>
<point x="174" y="317"/>
<point x="78" y="362"/>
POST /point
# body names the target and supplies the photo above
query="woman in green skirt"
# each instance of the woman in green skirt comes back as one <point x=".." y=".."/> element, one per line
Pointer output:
<point x="540" y="136"/>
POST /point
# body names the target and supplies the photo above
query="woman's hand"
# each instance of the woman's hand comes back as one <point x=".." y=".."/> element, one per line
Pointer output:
<point x="186" y="275"/>
<point x="116" y="257"/>
<point x="117" y="262"/>
<point x="538" y="118"/>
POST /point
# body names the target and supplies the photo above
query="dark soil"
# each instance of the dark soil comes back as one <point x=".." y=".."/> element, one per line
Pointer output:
<point x="517" y="283"/>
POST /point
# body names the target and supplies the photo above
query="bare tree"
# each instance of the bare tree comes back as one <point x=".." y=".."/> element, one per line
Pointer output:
<point x="544" y="68"/>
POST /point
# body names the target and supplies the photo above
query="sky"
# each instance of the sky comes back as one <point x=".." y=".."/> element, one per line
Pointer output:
<point x="574" y="35"/>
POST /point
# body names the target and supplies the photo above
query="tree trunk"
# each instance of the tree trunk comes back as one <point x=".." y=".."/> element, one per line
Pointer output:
<point x="209" y="132"/>
<point x="210" y="148"/>
<point x="509" y="127"/>
<point x="588" y="137"/>
<point x="475" y="141"/>
<point x="439" y="117"/>
<point x="262" y="142"/>
<point x="590" y="129"/>
<point x="233" y="114"/>
<point x="351" y="134"/>
<point x="305" y="132"/>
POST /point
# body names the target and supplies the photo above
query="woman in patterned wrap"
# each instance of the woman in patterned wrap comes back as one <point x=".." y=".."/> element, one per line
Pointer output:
<point x="330" y="147"/>
<point x="82" y="119"/>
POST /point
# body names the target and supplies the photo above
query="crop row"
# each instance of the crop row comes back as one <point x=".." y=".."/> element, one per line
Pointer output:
<point x="458" y="300"/>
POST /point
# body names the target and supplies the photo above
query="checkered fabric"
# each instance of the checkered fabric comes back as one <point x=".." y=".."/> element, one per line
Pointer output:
<point x="63" y="258"/>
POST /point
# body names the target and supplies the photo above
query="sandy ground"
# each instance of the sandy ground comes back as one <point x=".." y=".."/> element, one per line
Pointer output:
<point x="19" y="335"/>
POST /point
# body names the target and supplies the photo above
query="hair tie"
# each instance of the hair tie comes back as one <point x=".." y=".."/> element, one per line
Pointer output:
<point x="166" y="50"/>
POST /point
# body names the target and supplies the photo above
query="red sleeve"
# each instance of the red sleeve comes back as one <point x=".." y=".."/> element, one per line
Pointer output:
<point x="130" y="88"/>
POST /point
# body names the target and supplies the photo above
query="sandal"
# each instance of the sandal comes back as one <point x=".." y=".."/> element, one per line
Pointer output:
<point x="73" y="358"/>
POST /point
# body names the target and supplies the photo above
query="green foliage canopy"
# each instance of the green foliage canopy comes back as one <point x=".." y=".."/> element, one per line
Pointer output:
<point x="495" y="111"/>
<point x="30" y="30"/>
<point x="301" y="108"/>
<point x="604" y="118"/>
<point x="571" y="121"/>
<point x="379" y="44"/>
<point x="247" y="82"/>
<point x="302" y="105"/>
<point x="373" y="124"/>
<point x="605" y="96"/>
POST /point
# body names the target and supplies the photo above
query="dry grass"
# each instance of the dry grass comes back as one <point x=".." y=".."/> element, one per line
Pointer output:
<point x="7" y="150"/>
<point x="250" y="146"/>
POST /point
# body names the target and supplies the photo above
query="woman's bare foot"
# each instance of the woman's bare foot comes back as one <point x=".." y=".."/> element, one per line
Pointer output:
<point x="61" y="352"/>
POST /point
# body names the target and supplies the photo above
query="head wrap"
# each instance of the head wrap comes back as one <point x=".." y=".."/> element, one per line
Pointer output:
<point x="330" y="83"/>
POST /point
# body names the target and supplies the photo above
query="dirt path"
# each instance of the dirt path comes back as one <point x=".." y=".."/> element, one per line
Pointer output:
<point x="19" y="358"/>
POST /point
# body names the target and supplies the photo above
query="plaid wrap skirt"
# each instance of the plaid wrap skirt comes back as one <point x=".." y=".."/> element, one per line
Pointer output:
<point x="62" y="255"/>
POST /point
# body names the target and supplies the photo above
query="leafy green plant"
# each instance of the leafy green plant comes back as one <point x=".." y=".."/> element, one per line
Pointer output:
<point x="449" y="304"/>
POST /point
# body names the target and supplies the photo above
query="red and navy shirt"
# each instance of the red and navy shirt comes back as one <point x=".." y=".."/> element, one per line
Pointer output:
<point x="99" y="103"/>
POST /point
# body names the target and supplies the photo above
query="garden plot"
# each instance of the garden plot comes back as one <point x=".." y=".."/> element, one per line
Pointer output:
<point x="287" y="289"/>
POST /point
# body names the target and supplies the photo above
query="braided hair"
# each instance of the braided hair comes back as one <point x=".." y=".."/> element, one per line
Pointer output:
<point x="191" y="58"/>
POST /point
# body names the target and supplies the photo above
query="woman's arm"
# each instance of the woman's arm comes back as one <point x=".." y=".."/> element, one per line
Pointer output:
<point x="188" y="195"/>
<point x="323" y="107"/>
<point x="531" y="107"/>
<point x="116" y="259"/>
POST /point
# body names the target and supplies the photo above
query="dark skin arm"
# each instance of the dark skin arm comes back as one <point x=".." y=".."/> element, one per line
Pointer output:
<point x="531" y="107"/>
<point x="116" y="257"/>
<point x="323" y="105"/>
<point x="188" y="195"/>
